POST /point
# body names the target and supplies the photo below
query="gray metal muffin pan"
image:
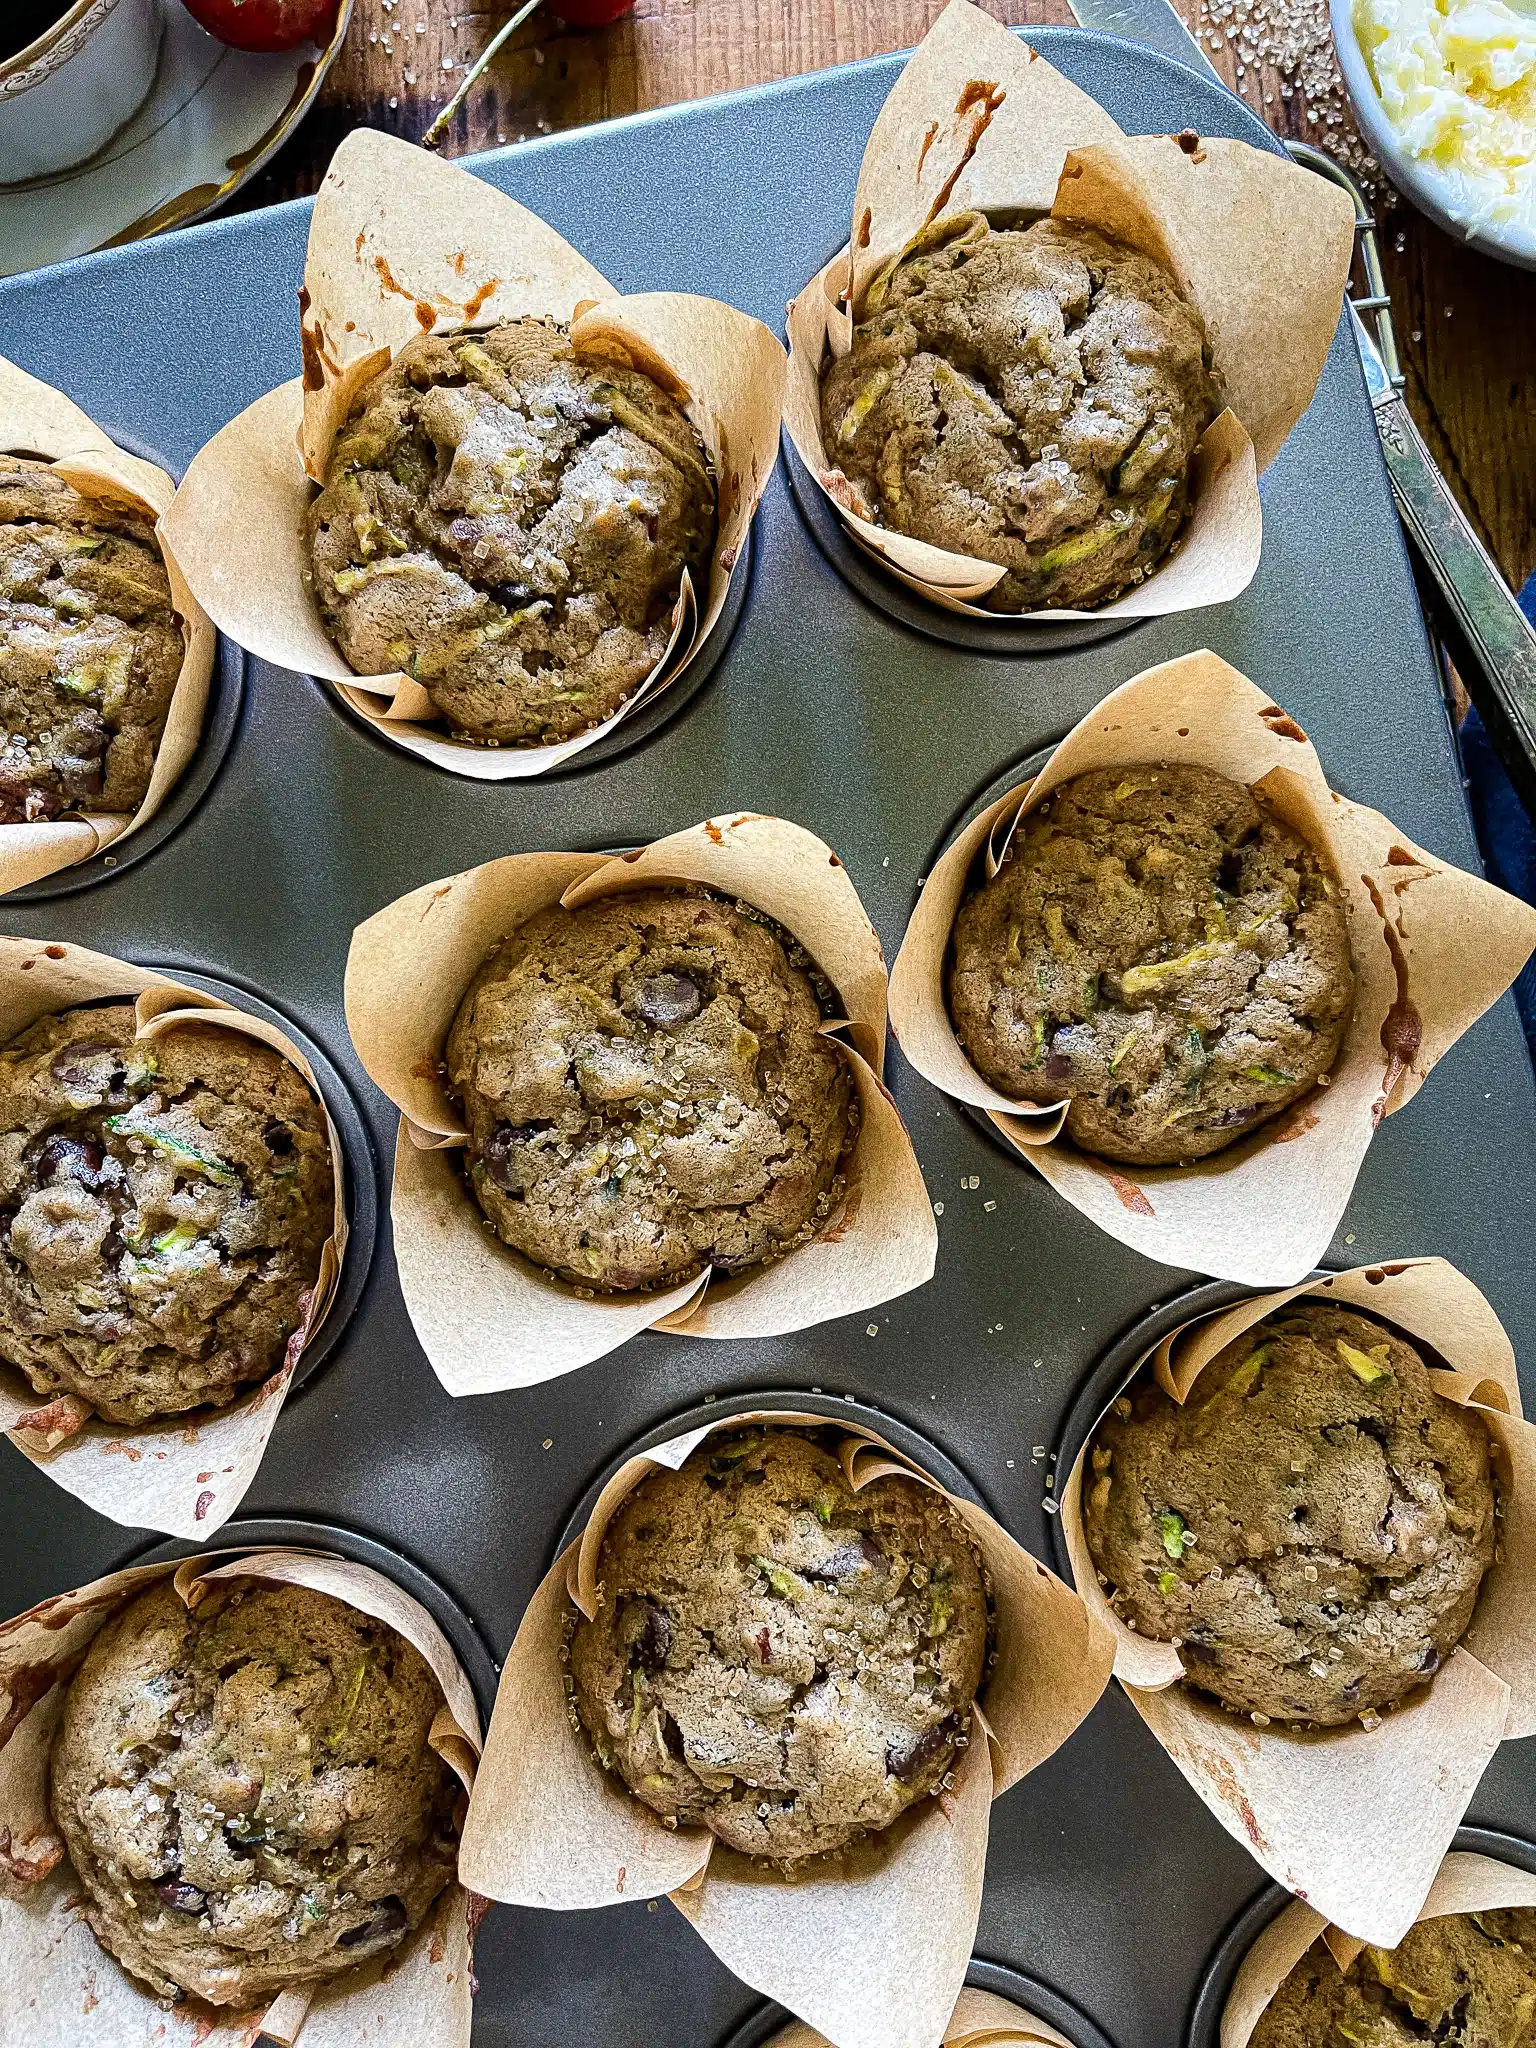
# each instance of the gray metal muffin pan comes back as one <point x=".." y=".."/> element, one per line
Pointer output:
<point x="1108" y="1880"/>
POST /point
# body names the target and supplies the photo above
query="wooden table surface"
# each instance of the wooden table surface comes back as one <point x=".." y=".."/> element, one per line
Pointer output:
<point x="1466" y="325"/>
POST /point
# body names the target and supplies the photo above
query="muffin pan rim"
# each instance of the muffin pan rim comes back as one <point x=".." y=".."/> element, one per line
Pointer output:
<point x="1215" y="1983"/>
<point x="221" y="728"/>
<point x="1032" y="1993"/>
<point x="913" y="1443"/>
<point x="297" y="1532"/>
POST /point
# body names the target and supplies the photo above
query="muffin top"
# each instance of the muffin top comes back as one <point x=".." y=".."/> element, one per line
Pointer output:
<point x="1030" y="396"/>
<point x="648" y="1090"/>
<point x="1468" y="1978"/>
<point x="163" y="1205"/>
<point x="90" y="648"/>
<point x="247" y="1793"/>
<point x="1162" y="953"/>
<point x="509" y="523"/>
<point x="777" y="1658"/>
<point x="1311" y="1527"/>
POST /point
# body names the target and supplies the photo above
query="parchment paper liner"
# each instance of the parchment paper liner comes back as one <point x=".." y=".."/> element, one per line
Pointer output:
<point x="1464" y="1883"/>
<point x="56" y="1981"/>
<point x="873" y="1960"/>
<point x="401" y="243"/>
<point x="489" y="1319"/>
<point x="37" y="420"/>
<point x="977" y="120"/>
<point x="980" y="2020"/>
<point x="185" y="1474"/>
<point x="1356" y="1821"/>
<point x="1433" y="948"/>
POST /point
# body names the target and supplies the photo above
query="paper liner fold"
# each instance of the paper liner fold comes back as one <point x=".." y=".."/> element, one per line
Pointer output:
<point x="1465" y="1883"/>
<point x="873" y="1958"/>
<point x="401" y="244"/>
<point x="1433" y="948"/>
<point x="980" y="2020"/>
<point x="487" y="1317"/>
<point x="56" y="1981"/>
<point x="977" y="121"/>
<point x="37" y="420"/>
<point x="1356" y="1821"/>
<point x="187" y="1473"/>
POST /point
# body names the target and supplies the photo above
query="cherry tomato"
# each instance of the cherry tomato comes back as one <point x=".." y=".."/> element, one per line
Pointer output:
<point x="265" y="24"/>
<point x="590" y="13"/>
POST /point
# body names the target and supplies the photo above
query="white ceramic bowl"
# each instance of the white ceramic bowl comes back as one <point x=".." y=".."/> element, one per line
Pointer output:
<point x="1423" y="184"/>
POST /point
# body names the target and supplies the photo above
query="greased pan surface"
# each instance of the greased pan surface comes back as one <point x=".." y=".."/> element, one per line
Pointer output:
<point x="1107" y="1879"/>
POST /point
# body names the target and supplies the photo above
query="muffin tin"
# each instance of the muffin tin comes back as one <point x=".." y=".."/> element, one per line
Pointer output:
<point x="1108" y="1881"/>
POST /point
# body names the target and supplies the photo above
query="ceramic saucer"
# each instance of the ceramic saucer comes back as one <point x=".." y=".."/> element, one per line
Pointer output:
<point x="212" y="119"/>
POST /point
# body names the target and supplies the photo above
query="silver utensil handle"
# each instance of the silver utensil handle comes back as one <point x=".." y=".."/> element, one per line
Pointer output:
<point x="1498" y="634"/>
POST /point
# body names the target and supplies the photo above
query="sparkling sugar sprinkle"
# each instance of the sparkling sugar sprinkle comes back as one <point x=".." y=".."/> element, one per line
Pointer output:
<point x="1292" y="42"/>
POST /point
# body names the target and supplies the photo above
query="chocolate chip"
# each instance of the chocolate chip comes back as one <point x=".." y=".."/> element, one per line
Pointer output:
<point x="848" y="1561"/>
<point x="1202" y="1653"/>
<point x="1058" y="1065"/>
<point x="498" y="1154"/>
<point x="277" y="1138"/>
<point x="657" y="1635"/>
<point x="390" y="1917"/>
<point x="1430" y="1661"/>
<point x="908" y="1765"/>
<point x="666" y="999"/>
<point x="512" y="595"/>
<point x="69" y="1064"/>
<point x="174" y="1891"/>
<point x="74" y="1159"/>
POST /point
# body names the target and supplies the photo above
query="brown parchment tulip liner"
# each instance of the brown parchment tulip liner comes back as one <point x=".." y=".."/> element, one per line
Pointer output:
<point x="1464" y="1883"/>
<point x="977" y="121"/>
<point x="488" y="1318"/>
<point x="1433" y="948"/>
<point x="874" y="1958"/>
<point x="980" y="2020"/>
<point x="37" y="420"/>
<point x="56" y="1981"/>
<point x="1356" y="1820"/>
<point x="403" y="244"/>
<point x="187" y="1473"/>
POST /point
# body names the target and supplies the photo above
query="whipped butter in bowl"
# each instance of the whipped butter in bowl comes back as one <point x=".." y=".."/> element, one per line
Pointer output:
<point x="1445" y="94"/>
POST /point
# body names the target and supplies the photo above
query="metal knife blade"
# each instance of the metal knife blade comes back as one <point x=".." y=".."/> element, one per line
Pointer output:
<point x="1501" y="642"/>
<point x="1153" y="24"/>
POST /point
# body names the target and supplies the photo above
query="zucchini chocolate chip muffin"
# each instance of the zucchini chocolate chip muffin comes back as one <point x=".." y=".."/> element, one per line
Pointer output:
<point x="163" y="1205"/>
<point x="90" y="648"/>
<point x="1463" y="1978"/>
<point x="777" y="1658"/>
<point x="1031" y="396"/>
<point x="648" y="1091"/>
<point x="1160" y="952"/>
<point x="509" y="523"/>
<point x="1311" y="1527"/>
<point x="247" y="1793"/>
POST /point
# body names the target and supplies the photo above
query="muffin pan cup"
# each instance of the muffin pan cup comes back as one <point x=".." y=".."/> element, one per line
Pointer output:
<point x="1481" y="1873"/>
<point x="39" y="421"/>
<point x="977" y="122"/>
<point x="1357" y="1818"/>
<point x="1263" y="1210"/>
<point x="402" y="243"/>
<point x="489" y="1318"/>
<point x="548" y="1827"/>
<point x="1005" y="2007"/>
<point x="54" y="1968"/>
<point x="184" y="1473"/>
<point x="1106" y="1874"/>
